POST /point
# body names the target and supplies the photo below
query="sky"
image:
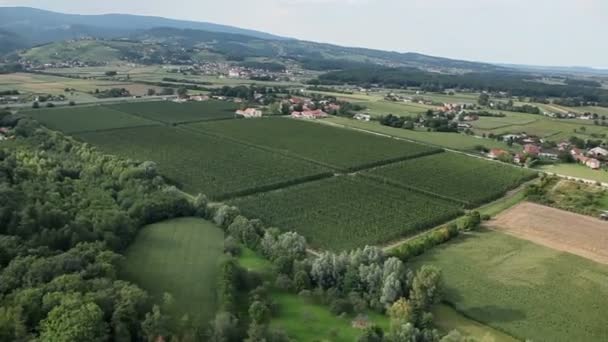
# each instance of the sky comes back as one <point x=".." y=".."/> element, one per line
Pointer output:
<point x="535" y="32"/>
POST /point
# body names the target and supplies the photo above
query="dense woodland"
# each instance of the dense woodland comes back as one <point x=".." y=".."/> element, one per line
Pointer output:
<point x="66" y="212"/>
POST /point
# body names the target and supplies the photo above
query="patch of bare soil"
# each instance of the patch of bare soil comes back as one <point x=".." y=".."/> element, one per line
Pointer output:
<point x="582" y="235"/>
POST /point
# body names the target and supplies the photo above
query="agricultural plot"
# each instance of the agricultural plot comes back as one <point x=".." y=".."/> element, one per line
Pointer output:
<point x="180" y="257"/>
<point x="206" y="164"/>
<point x="85" y="119"/>
<point x="510" y="119"/>
<point x="346" y="212"/>
<point x="334" y="147"/>
<point x="552" y="129"/>
<point x="171" y="112"/>
<point x="464" y="179"/>
<point x="526" y="290"/>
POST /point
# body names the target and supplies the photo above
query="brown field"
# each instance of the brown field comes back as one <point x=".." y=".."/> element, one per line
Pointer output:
<point x="561" y="230"/>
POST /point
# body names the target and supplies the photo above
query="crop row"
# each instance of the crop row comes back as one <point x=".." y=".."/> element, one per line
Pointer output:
<point x="171" y="112"/>
<point x="465" y="179"/>
<point x="206" y="164"/>
<point x="345" y="212"/>
<point x="343" y="149"/>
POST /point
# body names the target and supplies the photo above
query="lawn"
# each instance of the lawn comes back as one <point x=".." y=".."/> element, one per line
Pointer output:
<point x="343" y="149"/>
<point x="86" y="119"/>
<point x="347" y="212"/>
<point x="171" y="112"/>
<point x="445" y="140"/>
<point x="454" y="176"/>
<point x="576" y="170"/>
<point x="180" y="257"/>
<point x="523" y="289"/>
<point x="200" y="163"/>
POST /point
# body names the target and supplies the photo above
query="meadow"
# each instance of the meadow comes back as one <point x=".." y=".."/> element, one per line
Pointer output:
<point x="180" y="257"/>
<point x="85" y="119"/>
<point x="577" y="171"/>
<point x="346" y="212"/>
<point x="523" y="289"/>
<point x="342" y="149"/>
<point x="455" y="176"/>
<point x="444" y="140"/>
<point x="200" y="163"/>
<point x="171" y="112"/>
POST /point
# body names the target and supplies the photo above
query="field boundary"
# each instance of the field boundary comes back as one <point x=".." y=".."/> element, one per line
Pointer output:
<point x="113" y="129"/>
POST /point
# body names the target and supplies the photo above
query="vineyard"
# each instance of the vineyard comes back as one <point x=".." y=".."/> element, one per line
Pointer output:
<point x="472" y="181"/>
<point x="200" y="163"/>
<point x="171" y="112"/>
<point x="343" y="149"/>
<point x="84" y="119"/>
<point x="346" y="212"/>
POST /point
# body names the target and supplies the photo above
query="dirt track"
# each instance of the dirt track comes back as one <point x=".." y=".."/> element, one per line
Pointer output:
<point x="577" y="234"/>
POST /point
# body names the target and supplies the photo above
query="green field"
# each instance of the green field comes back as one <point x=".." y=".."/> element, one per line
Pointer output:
<point x="346" y="212"/>
<point x="379" y="108"/>
<point x="489" y="122"/>
<point x="445" y="140"/>
<point x="171" y="112"/>
<point x="524" y="289"/>
<point x="86" y="119"/>
<point x="180" y="257"/>
<point x="577" y="171"/>
<point x="455" y="176"/>
<point x="203" y="163"/>
<point x="339" y="148"/>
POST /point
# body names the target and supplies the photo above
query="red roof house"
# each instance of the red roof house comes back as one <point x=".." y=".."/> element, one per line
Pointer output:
<point x="532" y="149"/>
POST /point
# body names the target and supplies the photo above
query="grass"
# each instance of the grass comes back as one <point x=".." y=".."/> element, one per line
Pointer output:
<point x="448" y="319"/>
<point x="84" y="119"/>
<point x="576" y="170"/>
<point x="346" y="212"/>
<point x="334" y="147"/>
<point x="445" y="140"/>
<point x="171" y="112"/>
<point x="573" y="196"/>
<point x="455" y="176"/>
<point x="200" y="163"/>
<point x="180" y="257"/>
<point x="523" y="289"/>
<point x="382" y="107"/>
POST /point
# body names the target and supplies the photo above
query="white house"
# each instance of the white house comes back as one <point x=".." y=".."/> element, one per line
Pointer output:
<point x="362" y="117"/>
<point x="598" y="152"/>
<point x="250" y="113"/>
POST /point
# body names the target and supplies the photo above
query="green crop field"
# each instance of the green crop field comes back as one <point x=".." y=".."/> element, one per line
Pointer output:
<point x="202" y="163"/>
<point x="347" y="212"/>
<point x="331" y="146"/>
<point x="171" y="112"/>
<point x="85" y="119"/>
<point x="382" y="107"/>
<point x="529" y="291"/>
<point x="446" y="140"/>
<point x="180" y="257"/>
<point x="455" y="176"/>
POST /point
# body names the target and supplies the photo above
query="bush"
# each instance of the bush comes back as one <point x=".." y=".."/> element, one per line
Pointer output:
<point x="339" y="306"/>
<point x="423" y="243"/>
<point x="50" y="105"/>
<point x="72" y="103"/>
<point x="231" y="246"/>
<point x="36" y="105"/>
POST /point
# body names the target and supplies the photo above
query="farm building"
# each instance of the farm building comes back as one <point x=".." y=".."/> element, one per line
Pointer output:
<point x="533" y="150"/>
<point x="250" y="113"/>
<point x="309" y="114"/>
<point x="362" y="117"/>
<point x="598" y="152"/>
<point x="496" y="153"/>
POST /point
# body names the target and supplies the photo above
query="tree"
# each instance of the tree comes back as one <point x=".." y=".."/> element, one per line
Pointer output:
<point x="36" y="105"/>
<point x="224" y="328"/>
<point x="391" y="289"/>
<point x="155" y="324"/>
<point x="151" y="92"/>
<point x="12" y="325"/>
<point x="111" y="73"/>
<point x="372" y="333"/>
<point x="484" y="99"/>
<point x="182" y="92"/>
<point x="472" y="221"/>
<point x="259" y="312"/>
<point x="426" y="288"/>
<point x="74" y="320"/>
<point x="400" y="312"/>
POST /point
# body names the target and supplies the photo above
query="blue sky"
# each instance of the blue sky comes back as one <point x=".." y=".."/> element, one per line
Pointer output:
<point x="541" y="32"/>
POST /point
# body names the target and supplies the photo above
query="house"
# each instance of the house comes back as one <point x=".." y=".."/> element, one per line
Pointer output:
<point x="563" y="146"/>
<point x="576" y="152"/>
<point x="548" y="155"/>
<point x="250" y="113"/>
<point x="464" y="126"/>
<point x="593" y="163"/>
<point x="309" y="114"/>
<point x="598" y="152"/>
<point x="199" y="98"/>
<point x="519" y="158"/>
<point x="3" y="131"/>
<point x="362" y="117"/>
<point x="496" y="153"/>
<point x="471" y="117"/>
<point x="532" y="150"/>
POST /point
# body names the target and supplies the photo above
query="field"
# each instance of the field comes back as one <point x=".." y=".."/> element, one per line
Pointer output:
<point x="577" y="171"/>
<point x="558" y="229"/>
<point x="347" y="212"/>
<point x="171" y="112"/>
<point x="461" y="178"/>
<point x="445" y="140"/>
<point x="379" y="108"/>
<point x="202" y="163"/>
<point x="85" y="119"/>
<point x="586" y="199"/>
<point x="511" y="119"/>
<point x="180" y="257"/>
<point x="338" y="148"/>
<point x="526" y="290"/>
